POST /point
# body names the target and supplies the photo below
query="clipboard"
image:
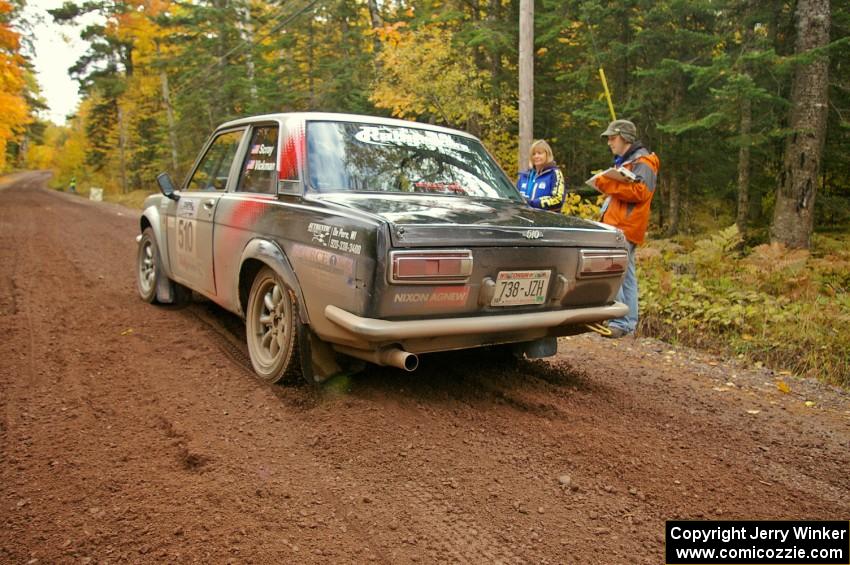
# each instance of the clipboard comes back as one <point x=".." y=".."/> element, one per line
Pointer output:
<point x="619" y="174"/>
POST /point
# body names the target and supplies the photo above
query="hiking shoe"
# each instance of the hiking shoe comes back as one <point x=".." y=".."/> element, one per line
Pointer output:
<point x="616" y="332"/>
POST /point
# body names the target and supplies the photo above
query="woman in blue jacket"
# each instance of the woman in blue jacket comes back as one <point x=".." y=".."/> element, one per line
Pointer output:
<point x="543" y="183"/>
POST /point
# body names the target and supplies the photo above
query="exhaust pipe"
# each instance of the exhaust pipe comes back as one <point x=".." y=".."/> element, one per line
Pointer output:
<point x="389" y="356"/>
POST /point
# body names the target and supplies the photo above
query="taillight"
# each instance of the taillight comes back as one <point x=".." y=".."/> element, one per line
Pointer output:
<point x="602" y="263"/>
<point x="429" y="267"/>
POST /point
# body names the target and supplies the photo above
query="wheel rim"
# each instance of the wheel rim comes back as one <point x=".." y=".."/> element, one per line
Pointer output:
<point x="147" y="266"/>
<point x="272" y="314"/>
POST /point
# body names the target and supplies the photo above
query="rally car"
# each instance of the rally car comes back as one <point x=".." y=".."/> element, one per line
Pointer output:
<point x="339" y="236"/>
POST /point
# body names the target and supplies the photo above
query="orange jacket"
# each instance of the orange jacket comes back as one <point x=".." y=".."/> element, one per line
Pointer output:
<point x="627" y="206"/>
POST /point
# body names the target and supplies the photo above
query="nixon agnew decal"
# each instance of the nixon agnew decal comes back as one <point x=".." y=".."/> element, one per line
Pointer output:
<point x="334" y="237"/>
<point x="440" y="296"/>
<point x="532" y="234"/>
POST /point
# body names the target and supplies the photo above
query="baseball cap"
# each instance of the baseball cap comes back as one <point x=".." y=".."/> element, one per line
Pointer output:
<point x="623" y="128"/>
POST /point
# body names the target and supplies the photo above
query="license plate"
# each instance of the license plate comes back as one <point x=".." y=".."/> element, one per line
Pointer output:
<point x="515" y="288"/>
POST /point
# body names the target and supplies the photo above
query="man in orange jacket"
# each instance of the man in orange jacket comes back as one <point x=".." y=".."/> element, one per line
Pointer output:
<point x="627" y="207"/>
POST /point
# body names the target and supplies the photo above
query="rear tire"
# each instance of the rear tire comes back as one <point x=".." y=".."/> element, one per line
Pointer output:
<point x="271" y="327"/>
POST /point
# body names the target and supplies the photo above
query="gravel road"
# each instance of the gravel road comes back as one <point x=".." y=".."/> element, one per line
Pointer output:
<point x="135" y="433"/>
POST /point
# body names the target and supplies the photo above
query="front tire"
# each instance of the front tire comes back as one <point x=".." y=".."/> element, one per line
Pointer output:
<point x="149" y="272"/>
<point x="271" y="324"/>
<point x="148" y="268"/>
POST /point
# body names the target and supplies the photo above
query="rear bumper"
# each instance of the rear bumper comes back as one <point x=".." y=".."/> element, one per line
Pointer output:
<point x="375" y="330"/>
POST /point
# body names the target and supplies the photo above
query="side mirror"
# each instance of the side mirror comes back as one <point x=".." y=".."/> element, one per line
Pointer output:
<point x="166" y="186"/>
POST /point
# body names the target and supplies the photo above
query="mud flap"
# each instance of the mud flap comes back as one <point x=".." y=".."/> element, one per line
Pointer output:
<point x="319" y="362"/>
<point x="164" y="289"/>
<point x="537" y="349"/>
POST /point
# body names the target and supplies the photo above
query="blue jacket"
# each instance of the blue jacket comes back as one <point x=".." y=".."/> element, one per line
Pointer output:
<point x="544" y="190"/>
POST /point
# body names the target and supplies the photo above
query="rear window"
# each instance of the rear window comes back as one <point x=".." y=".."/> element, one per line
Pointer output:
<point x="344" y="156"/>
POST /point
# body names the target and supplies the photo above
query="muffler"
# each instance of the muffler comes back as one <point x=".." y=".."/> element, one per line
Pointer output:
<point x="388" y="356"/>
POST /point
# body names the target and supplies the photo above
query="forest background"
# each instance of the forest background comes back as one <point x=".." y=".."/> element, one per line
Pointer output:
<point x="711" y="84"/>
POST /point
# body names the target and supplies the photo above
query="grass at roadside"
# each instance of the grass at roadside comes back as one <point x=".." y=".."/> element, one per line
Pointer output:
<point x="133" y="199"/>
<point x="787" y="309"/>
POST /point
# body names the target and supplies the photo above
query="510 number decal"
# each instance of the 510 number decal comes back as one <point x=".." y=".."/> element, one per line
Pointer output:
<point x="185" y="235"/>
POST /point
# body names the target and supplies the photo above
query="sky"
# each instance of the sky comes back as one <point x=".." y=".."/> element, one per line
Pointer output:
<point x="56" y="49"/>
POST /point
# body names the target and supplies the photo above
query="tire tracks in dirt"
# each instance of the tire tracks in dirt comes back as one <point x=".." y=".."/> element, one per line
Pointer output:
<point x="149" y="438"/>
<point x="434" y="524"/>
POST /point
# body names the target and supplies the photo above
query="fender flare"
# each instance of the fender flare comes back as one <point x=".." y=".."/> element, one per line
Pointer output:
<point x="272" y="255"/>
<point x="152" y="215"/>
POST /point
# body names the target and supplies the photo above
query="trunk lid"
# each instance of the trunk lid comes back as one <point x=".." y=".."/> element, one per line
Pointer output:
<point x="418" y="220"/>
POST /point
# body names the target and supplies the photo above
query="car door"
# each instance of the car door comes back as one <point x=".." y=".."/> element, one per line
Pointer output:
<point x="244" y="213"/>
<point x="190" y="230"/>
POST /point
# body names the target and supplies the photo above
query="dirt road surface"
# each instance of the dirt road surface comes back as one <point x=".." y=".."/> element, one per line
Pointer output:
<point x="135" y="433"/>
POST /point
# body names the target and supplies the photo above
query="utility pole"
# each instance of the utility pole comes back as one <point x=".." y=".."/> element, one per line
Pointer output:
<point x="526" y="79"/>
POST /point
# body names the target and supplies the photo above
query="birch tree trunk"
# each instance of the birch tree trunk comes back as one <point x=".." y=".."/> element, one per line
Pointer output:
<point x="744" y="165"/>
<point x="376" y="23"/>
<point x="122" y="142"/>
<point x="169" y="112"/>
<point x="674" y="203"/>
<point x="246" y="34"/>
<point x="793" y="216"/>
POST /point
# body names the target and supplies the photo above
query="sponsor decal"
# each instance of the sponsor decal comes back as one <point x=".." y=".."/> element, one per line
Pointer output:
<point x="333" y="237"/>
<point x="419" y="139"/>
<point x="324" y="260"/>
<point x="439" y="296"/>
<point x="260" y="161"/>
<point x="254" y="165"/>
<point x="261" y="149"/>
<point x="187" y="208"/>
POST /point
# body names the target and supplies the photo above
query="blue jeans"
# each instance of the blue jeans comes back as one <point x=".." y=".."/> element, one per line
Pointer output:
<point x="628" y="295"/>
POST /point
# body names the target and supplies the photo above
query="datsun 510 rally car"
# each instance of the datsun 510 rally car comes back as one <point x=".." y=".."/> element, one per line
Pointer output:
<point x="339" y="236"/>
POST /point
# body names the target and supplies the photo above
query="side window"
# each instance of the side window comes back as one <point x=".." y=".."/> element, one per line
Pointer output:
<point x="214" y="168"/>
<point x="259" y="171"/>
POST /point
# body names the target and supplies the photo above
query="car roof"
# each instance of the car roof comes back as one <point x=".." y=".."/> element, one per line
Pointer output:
<point x="338" y="117"/>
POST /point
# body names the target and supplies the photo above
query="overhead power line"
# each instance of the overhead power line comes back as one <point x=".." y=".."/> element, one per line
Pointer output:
<point x="213" y="71"/>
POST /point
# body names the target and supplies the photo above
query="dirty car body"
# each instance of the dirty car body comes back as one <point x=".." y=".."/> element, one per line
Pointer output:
<point x="339" y="236"/>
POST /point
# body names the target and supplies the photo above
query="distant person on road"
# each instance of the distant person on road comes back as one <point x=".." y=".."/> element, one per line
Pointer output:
<point x="72" y="186"/>
<point x="543" y="183"/>
<point x="627" y="207"/>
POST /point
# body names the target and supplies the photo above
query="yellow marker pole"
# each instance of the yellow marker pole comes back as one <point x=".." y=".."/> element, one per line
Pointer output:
<point x="607" y="93"/>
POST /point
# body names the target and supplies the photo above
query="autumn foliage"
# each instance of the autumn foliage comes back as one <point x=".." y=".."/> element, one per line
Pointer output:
<point x="15" y="113"/>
